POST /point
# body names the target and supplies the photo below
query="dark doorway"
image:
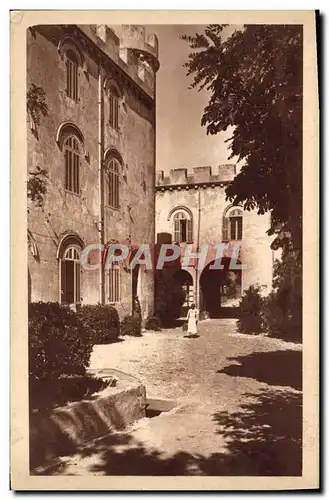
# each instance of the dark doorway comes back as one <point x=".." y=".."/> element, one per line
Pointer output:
<point x="220" y="290"/>
<point x="184" y="282"/>
<point x="135" y="288"/>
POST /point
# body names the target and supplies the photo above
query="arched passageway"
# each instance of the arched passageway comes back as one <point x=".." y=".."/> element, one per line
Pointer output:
<point x="184" y="282"/>
<point x="220" y="289"/>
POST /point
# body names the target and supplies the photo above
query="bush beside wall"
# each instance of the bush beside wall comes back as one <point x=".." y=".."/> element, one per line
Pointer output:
<point x="58" y="343"/>
<point x="250" y="320"/>
<point x="131" y="325"/>
<point x="101" y="322"/>
<point x="279" y="314"/>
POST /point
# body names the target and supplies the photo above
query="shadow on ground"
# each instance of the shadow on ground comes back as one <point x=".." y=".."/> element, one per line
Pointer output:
<point x="263" y="438"/>
<point x="283" y="368"/>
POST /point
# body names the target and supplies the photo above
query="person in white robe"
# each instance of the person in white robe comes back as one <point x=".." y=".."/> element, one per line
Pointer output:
<point x="192" y="320"/>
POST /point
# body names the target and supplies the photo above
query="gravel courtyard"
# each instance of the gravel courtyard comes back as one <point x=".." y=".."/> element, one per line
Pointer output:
<point x="237" y="410"/>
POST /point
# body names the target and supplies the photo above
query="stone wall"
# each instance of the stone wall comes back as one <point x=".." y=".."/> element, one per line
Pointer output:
<point x="65" y="212"/>
<point x="202" y="194"/>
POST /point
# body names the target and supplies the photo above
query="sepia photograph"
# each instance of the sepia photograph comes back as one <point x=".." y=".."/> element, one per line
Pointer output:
<point x="164" y="204"/>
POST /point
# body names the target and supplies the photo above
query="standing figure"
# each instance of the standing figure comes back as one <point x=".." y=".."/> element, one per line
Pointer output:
<point x="192" y="320"/>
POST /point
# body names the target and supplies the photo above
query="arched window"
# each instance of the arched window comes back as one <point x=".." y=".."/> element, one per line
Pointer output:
<point x="183" y="231"/>
<point x="232" y="224"/>
<point x="114" y="107"/>
<point x="113" y="182"/>
<point x="71" y="148"/>
<point x="70" y="275"/>
<point x="72" y="74"/>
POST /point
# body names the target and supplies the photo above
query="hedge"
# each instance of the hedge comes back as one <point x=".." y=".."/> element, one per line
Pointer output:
<point x="101" y="322"/>
<point x="250" y="317"/>
<point x="131" y="325"/>
<point x="58" y="342"/>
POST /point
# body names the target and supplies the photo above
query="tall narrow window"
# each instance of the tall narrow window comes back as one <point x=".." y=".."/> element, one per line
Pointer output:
<point x="113" y="178"/>
<point x="114" y="284"/>
<point x="72" y="164"/>
<point x="182" y="228"/>
<point x="114" y="107"/>
<point x="70" y="276"/>
<point x="72" y="75"/>
<point x="232" y="225"/>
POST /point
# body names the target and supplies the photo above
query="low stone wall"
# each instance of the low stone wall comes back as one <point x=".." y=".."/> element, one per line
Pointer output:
<point x="61" y="431"/>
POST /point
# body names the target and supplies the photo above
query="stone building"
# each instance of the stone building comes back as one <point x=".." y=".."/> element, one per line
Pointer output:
<point x="191" y="208"/>
<point x="96" y="139"/>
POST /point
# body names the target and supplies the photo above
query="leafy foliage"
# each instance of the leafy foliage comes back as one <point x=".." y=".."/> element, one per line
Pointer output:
<point x="58" y="392"/>
<point x="255" y="80"/>
<point x="58" y="342"/>
<point x="36" y="103"/>
<point x="36" y="106"/>
<point x="131" y="325"/>
<point x="280" y="313"/>
<point x="101" y="323"/>
<point x="250" y="319"/>
<point x="37" y="186"/>
<point x="283" y="307"/>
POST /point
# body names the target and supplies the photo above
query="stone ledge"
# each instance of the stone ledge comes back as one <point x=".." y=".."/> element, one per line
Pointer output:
<point x="62" y="430"/>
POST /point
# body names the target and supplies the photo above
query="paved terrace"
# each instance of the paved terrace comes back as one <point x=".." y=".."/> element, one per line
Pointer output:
<point x="237" y="406"/>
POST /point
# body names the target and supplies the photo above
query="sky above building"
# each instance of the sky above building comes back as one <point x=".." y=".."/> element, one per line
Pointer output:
<point x="181" y="141"/>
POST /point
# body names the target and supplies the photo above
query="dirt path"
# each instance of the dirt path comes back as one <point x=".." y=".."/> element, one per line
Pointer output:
<point x="237" y="412"/>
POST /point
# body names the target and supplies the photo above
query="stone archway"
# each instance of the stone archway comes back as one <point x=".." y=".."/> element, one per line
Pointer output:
<point x="220" y="289"/>
<point x="184" y="281"/>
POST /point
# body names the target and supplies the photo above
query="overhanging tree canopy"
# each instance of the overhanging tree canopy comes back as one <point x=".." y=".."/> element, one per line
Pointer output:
<point x="255" y="80"/>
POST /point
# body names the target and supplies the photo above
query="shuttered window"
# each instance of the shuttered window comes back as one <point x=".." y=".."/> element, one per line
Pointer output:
<point x="189" y="231"/>
<point x="232" y="225"/>
<point x="183" y="228"/>
<point x="72" y="164"/>
<point x="114" y="108"/>
<point x="236" y="228"/>
<point x="114" y="284"/>
<point x="113" y="179"/>
<point x="70" y="276"/>
<point x="72" y="75"/>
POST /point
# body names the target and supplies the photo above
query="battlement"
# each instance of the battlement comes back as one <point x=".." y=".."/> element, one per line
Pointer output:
<point x="130" y="48"/>
<point x="201" y="175"/>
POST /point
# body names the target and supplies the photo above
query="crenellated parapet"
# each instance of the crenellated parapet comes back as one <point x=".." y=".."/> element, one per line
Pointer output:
<point x="131" y="49"/>
<point x="201" y="176"/>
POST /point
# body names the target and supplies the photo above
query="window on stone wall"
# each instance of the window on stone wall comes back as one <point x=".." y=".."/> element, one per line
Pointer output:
<point x="72" y="75"/>
<point x="71" y="150"/>
<point x="113" y="183"/>
<point x="114" y="107"/>
<point x="70" y="276"/>
<point x="182" y="228"/>
<point x="114" y="284"/>
<point x="232" y="225"/>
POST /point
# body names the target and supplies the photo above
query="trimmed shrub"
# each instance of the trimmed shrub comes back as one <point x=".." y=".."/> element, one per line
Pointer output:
<point x="52" y="393"/>
<point x="153" y="323"/>
<point x="101" y="322"/>
<point x="131" y="325"/>
<point x="58" y="343"/>
<point x="283" y="316"/>
<point x="250" y="318"/>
